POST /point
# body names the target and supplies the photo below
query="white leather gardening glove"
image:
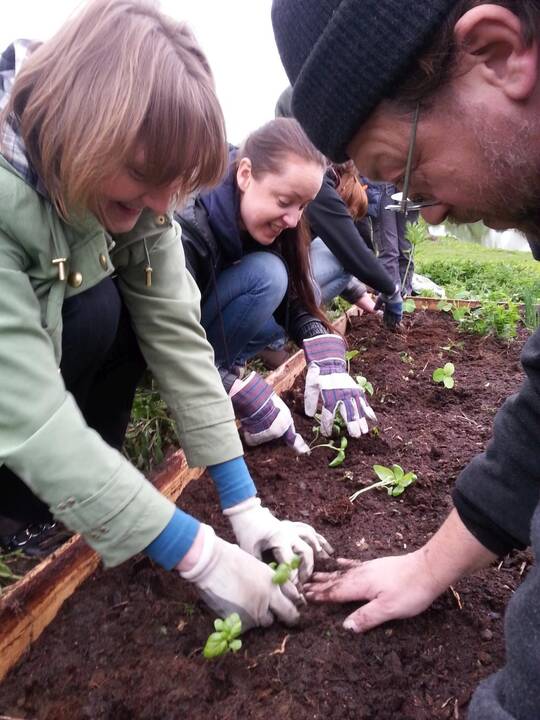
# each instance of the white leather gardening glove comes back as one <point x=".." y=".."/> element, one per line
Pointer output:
<point x="328" y="378"/>
<point x="263" y="415"/>
<point x="257" y="530"/>
<point x="231" y="580"/>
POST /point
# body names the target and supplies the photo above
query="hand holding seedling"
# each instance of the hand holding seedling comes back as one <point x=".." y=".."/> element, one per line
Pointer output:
<point x="284" y="571"/>
<point x="230" y="579"/>
<point x="225" y="638"/>
<point x="257" y="530"/>
<point x="327" y="378"/>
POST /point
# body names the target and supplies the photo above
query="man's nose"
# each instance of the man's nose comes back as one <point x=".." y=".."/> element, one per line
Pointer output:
<point x="436" y="214"/>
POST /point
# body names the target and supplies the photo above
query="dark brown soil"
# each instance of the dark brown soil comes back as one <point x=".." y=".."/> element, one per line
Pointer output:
<point x="128" y="644"/>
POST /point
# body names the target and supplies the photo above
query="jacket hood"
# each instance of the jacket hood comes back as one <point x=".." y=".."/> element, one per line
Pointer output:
<point x="12" y="144"/>
<point x="222" y="205"/>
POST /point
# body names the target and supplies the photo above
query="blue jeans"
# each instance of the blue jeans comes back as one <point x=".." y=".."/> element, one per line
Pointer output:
<point x="238" y="314"/>
<point x="329" y="275"/>
<point x="391" y="244"/>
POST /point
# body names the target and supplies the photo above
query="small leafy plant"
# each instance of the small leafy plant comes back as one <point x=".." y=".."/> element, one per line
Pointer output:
<point x="364" y="384"/>
<point x="394" y="479"/>
<point x="349" y="355"/>
<point x="225" y="638"/>
<point x="409" y="306"/>
<point x="7" y="576"/>
<point x="444" y="375"/>
<point x="282" y="572"/>
<point x="340" y="451"/>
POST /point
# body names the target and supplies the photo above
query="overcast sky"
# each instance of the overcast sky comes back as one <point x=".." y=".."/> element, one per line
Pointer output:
<point x="236" y="35"/>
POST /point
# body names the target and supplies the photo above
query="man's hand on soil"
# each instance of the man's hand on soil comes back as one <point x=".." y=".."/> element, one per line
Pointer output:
<point x="231" y="580"/>
<point x="257" y="530"/>
<point x="395" y="588"/>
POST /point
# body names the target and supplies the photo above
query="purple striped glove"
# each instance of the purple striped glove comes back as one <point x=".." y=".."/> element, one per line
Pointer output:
<point x="263" y="415"/>
<point x="327" y="377"/>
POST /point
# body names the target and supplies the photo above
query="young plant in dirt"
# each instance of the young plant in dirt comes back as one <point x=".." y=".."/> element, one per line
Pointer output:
<point x="225" y="638"/>
<point x="394" y="479"/>
<point x="7" y="576"/>
<point x="444" y="375"/>
<point x="364" y="383"/>
<point x="340" y="451"/>
<point x="282" y="572"/>
<point x="409" y="306"/>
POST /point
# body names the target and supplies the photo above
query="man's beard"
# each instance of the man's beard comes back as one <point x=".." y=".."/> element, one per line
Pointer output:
<point x="509" y="189"/>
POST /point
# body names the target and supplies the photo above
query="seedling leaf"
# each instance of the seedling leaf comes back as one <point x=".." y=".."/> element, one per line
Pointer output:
<point x="383" y="473"/>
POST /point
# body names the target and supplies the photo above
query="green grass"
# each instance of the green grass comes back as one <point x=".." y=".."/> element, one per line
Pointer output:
<point x="471" y="270"/>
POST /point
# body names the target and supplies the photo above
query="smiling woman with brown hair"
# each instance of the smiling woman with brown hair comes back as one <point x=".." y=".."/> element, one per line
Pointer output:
<point x="104" y="128"/>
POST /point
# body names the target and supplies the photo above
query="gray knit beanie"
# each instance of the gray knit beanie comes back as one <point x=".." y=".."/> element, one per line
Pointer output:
<point x="344" y="56"/>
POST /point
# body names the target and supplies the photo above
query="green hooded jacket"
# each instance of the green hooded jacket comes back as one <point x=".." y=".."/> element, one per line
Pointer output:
<point x="44" y="439"/>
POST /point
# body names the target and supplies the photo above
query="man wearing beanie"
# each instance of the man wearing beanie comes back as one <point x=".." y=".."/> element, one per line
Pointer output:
<point x="441" y="98"/>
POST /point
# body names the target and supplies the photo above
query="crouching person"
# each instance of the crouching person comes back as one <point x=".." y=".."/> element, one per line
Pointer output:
<point x="104" y="127"/>
<point x="247" y="246"/>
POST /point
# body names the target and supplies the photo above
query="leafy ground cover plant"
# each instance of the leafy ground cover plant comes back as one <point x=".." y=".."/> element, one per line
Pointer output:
<point x="7" y="576"/>
<point x="444" y="375"/>
<point x="151" y="429"/>
<point x="282" y="571"/>
<point x="225" y="638"/>
<point x="394" y="479"/>
<point x="409" y="306"/>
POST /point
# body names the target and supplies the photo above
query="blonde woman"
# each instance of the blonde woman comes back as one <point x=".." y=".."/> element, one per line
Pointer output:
<point x="104" y="128"/>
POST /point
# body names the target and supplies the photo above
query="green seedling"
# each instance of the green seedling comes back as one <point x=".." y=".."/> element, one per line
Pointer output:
<point x="225" y="638"/>
<point x="364" y="384"/>
<point x="7" y="576"/>
<point x="444" y="306"/>
<point x="349" y="355"/>
<point x="460" y="313"/>
<point x="340" y="451"/>
<point x="394" y="479"/>
<point x="282" y="572"/>
<point x="409" y="306"/>
<point x="444" y="375"/>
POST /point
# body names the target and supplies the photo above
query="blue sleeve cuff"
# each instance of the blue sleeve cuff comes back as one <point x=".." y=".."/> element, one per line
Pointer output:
<point x="233" y="482"/>
<point x="174" y="541"/>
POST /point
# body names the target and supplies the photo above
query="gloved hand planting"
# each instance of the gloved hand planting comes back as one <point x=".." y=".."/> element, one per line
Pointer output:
<point x="231" y="580"/>
<point x="257" y="530"/>
<point x="392" y="306"/>
<point x="263" y="414"/>
<point x="327" y="376"/>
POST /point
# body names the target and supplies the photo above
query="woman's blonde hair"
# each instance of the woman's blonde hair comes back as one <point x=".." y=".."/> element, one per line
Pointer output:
<point x="119" y="79"/>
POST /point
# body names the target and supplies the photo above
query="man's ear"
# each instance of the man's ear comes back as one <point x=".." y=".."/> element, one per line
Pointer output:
<point x="243" y="174"/>
<point x="492" y="38"/>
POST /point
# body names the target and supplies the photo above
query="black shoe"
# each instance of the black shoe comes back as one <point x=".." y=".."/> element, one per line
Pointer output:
<point x="37" y="540"/>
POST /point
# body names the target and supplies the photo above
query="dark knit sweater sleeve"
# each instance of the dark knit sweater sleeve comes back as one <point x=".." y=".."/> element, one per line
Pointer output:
<point x="496" y="494"/>
<point x="330" y="220"/>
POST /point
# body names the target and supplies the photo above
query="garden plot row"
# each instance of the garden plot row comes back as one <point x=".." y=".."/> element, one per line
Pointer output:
<point x="29" y="605"/>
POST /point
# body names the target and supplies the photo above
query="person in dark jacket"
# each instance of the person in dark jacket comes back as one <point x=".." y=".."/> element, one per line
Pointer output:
<point x="330" y="220"/>
<point x="451" y="116"/>
<point x="247" y="247"/>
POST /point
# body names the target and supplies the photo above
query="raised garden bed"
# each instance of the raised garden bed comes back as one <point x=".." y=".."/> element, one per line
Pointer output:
<point x="128" y="643"/>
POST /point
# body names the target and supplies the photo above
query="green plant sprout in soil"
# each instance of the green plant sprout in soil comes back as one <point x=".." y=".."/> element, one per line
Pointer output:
<point x="283" y="571"/>
<point x="7" y="576"/>
<point x="394" y="479"/>
<point x="225" y="638"/>
<point x="444" y="375"/>
<point x="409" y="306"/>
<point x="340" y="451"/>
<point x="364" y="384"/>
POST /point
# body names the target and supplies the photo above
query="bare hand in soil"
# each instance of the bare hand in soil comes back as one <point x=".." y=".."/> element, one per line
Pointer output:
<point x="395" y="587"/>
